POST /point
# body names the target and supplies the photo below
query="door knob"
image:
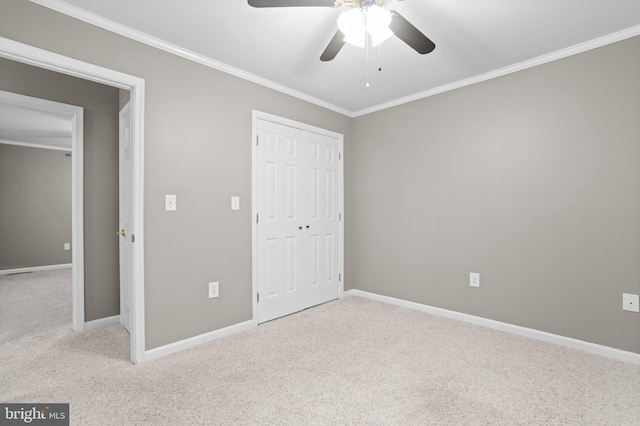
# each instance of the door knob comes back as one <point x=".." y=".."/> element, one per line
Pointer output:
<point x="121" y="233"/>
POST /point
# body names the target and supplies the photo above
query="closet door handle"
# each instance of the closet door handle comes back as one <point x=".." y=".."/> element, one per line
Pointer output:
<point x="300" y="228"/>
<point x="307" y="226"/>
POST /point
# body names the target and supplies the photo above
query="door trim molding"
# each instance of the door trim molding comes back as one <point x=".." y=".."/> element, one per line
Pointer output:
<point x="40" y="58"/>
<point x="259" y="115"/>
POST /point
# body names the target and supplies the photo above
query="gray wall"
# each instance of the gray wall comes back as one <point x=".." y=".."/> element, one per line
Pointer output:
<point x="124" y="96"/>
<point x="102" y="279"/>
<point x="197" y="146"/>
<point x="531" y="180"/>
<point x="35" y="212"/>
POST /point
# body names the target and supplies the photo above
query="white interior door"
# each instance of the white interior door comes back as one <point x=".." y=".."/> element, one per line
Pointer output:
<point x="280" y="221"/>
<point x="298" y="221"/>
<point x="323" y="221"/>
<point x="127" y="237"/>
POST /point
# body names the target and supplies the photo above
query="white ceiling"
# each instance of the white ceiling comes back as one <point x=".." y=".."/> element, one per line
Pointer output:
<point x="280" y="47"/>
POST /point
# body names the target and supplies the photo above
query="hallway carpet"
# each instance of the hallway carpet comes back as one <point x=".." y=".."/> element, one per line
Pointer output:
<point x="34" y="303"/>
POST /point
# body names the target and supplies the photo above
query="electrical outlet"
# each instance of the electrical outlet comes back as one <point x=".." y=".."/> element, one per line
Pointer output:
<point x="474" y="279"/>
<point x="630" y="302"/>
<point x="170" y="203"/>
<point x="214" y="289"/>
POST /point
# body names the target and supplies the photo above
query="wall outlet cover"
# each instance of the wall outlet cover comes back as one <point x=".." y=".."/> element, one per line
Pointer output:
<point x="631" y="302"/>
<point x="170" y="203"/>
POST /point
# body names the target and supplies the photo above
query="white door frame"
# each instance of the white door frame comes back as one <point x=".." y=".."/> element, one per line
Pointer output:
<point x="258" y="115"/>
<point x="30" y="55"/>
<point x="75" y="114"/>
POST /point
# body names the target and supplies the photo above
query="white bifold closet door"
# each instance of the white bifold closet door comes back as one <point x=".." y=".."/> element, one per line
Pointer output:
<point x="298" y="219"/>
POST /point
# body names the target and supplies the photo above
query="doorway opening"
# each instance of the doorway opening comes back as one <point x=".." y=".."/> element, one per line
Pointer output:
<point x="30" y="55"/>
<point x="48" y="136"/>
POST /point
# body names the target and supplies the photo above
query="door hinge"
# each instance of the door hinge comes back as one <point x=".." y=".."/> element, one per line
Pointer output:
<point x="258" y="297"/>
<point x="340" y="216"/>
<point x="133" y="238"/>
<point x="340" y="277"/>
<point x="339" y="156"/>
<point x="257" y="218"/>
<point x="257" y="140"/>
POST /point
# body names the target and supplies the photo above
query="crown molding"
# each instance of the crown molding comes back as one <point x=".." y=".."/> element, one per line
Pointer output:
<point x="35" y="145"/>
<point x="530" y="63"/>
<point x="114" y="27"/>
<point x="90" y="18"/>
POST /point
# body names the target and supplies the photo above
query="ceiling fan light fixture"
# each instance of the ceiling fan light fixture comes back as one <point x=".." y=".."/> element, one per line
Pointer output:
<point x="351" y="23"/>
<point x="378" y="21"/>
<point x="356" y="23"/>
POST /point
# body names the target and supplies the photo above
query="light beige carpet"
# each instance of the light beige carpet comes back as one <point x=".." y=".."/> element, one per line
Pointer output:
<point x="34" y="303"/>
<point x="352" y="362"/>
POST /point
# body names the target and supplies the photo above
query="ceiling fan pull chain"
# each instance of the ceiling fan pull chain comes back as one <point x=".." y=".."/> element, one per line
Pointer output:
<point x="366" y="49"/>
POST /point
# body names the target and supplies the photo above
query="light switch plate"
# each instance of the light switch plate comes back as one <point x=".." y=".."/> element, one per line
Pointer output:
<point x="474" y="279"/>
<point x="235" y="202"/>
<point x="214" y="289"/>
<point x="631" y="302"/>
<point x="67" y="246"/>
<point x="170" y="202"/>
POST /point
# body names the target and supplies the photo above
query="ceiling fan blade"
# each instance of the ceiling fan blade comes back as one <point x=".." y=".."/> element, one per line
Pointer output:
<point x="291" y="3"/>
<point x="333" y="47"/>
<point x="410" y="34"/>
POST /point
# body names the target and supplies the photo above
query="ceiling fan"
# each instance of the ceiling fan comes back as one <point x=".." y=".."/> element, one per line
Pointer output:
<point x="366" y="22"/>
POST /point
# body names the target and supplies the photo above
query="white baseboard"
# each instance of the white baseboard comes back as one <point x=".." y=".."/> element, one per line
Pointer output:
<point x="34" y="269"/>
<point x="101" y="322"/>
<point x="196" y="340"/>
<point x="593" y="348"/>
